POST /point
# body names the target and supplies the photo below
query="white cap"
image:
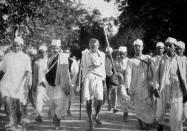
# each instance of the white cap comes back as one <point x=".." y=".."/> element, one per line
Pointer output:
<point x="122" y="49"/>
<point x="32" y="51"/>
<point x="181" y="44"/>
<point x="56" y="43"/>
<point x="138" y="42"/>
<point x="160" y="44"/>
<point x="171" y="40"/>
<point x="43" y="48"/>
<point x="109" y="49"/>
<point x="19" y="40"/>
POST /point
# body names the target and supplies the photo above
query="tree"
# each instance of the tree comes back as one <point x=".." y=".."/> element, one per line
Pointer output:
<point x="13" y="13"/>
<point x="157" y="19"/>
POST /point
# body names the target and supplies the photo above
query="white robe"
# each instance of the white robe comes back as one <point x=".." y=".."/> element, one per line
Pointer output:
<point x="169" y="86"/>
<point x="15" y="65"/>
<point x="137" y="80"/>
<point x="40" y="69"/>
<point x="93" y="73"/>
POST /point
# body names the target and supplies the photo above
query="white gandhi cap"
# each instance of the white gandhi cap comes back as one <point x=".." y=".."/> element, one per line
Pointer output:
<point x="181" y="44"/>
<point x="56" y="43"/>
<point x="122" y="49"/>
<point x="160" y="44"/>
<point x="43" y="48"/>
<point x="138" y="42"/>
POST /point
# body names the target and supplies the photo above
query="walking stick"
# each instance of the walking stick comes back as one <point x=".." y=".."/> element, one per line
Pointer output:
<point x="81" y="84"/>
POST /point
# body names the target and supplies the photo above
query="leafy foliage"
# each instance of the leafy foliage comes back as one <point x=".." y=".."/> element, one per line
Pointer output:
<point x="157" y="19"/>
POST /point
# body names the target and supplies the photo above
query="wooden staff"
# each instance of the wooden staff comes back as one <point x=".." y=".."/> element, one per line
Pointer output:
<point x="115" y="76"/>
<point x="109" y="51"/>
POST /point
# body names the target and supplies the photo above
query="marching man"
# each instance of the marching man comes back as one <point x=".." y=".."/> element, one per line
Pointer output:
<point x="14" y="85"/>
<point x="93" y="66"/>
<point x="138" y="80"/>
<point x="73" y="69"/>
<point x="121" y="65"/>
<point x="171" y="72"/>
<point x="39" y="82"/>
<point x="58" y="77"/>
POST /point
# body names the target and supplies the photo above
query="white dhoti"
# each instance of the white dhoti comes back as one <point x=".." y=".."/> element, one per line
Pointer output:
<point x="138" y="80"/>
<point x="41" y="98"/>
<point x="123" y="99"/>
<point x="171" y="94"/>
<point x="93" y="87"/>
<point x="58" y="101"/>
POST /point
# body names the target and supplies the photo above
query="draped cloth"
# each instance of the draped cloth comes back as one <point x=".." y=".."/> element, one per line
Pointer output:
<point x="58" y="97"/>
<point x="93" y="74"/>
<point x="137" y="79"/>
<point x="168" y="84"/>
<point x="40" y="69"/>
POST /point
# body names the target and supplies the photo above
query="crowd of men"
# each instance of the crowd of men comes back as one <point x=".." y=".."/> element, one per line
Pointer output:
<point x="152" y="85"/>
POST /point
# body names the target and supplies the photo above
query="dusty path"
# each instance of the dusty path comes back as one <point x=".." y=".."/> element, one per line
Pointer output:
<point x="111" y="122"/>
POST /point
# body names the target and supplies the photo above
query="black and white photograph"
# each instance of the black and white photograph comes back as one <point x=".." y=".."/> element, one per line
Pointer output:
<point x="93" y="65"/>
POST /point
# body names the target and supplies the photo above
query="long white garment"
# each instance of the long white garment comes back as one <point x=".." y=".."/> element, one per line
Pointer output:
<point x="123" y="98"/>
<point x="170" y="91"/>
<point x="137" y="80"/>
<point x="73" y="74"/>
<point x="15" y="65"/>
<point x="94" y="72"/>
<point x="40" y="69"/>
<point x="58" y="100"/>
<point x="156" y="63"/>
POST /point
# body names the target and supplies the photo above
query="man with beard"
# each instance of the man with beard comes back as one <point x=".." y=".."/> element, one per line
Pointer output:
<point x="123" y="96"/>
<point x="14" y="85"/>
<point x="93" y="60"/>
<point x="138" y="80"/>
<point x="168" y="81"/>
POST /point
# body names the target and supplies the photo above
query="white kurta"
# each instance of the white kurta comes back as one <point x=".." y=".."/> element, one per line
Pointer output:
<point x="40" y="69"/>
<point x="15" y="65"/>
<point x="137" y="80"/>
<point x="94" y="72"/>
<point x="170" y="91"/>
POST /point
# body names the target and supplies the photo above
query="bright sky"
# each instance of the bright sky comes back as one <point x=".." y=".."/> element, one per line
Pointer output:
<point x="107" y="9"/>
